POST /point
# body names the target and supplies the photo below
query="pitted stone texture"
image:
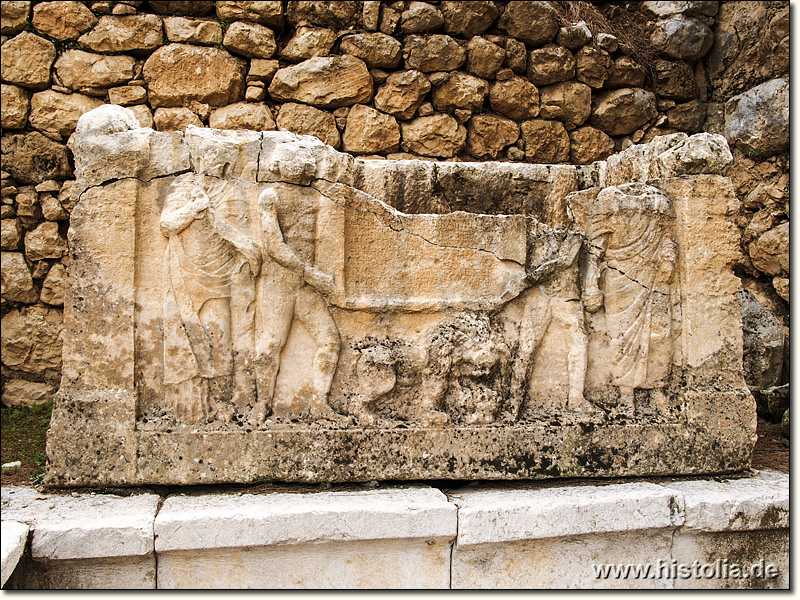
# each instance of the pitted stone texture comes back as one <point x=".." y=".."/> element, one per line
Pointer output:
<point x="535" y="23"/>
<point x="338" y="14"/>
<point x="192" y="31"/>
<point x="63" y="20"/>
<point x="569" y="102"/>
<point x="674" y="80"/>
<point x="488" y="135"/>
<point x="467" y="19"/>
<point x="13" y="16"/>
<point x="177" y="74"/>
<point x="460" y="91"/>
<point x="11" y="234"/>
<point x="14" y="539"/>
<point x="31" y="340"/>
<point x="19" y="392"/>
<point x="307" y="120"/>
<point x="242" y="115"/>
<point x="757" y="121"/>
<point x="15" y="278"/>
<point x="26" y="59"/>
<point x="484" y="58"/>
<point x="550" y="64"/>
<point x="53" y="285"/>
<point x="592" y="66"/>
<point x="402" y="93"/>
<point x="625" y="72"/>
<point x="545" y="141"/>
<point x="133" y="33"/>
<point x="770" y="251"/>
<point x="574" y="36"/>
<point x="433" y="53"/>
<point x="421" y="17"/>
<point x="57" y="112"/>
<point x="369" y="131"/>
<point x="377" y="50"/>
<point x="325" y="82"/>
<point x="622" y="111"/>
<point x="516" y="98"/>
<point x="32" y="158"/>
<point x="266" y="12"/>
<point x="250" y="40"/>
<point x="15" y="107"/>
<point x="308" y="42"/>
<point x="436" y="135"/>
<point x="588" y="144"/>
<point x="682" y="38"/>
<point x="700" y="153"/>
<point x="79" y="70"/>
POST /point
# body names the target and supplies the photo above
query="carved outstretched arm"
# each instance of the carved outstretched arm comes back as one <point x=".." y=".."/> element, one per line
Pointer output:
<point x="245" y="246"/>
<point x="567" y="253"/>
<point x="280" y="251"/>
<point x="592" y="296"/>
<point x="175" y="220"/>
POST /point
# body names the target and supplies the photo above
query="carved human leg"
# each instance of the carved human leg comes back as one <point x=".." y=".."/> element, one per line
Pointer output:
<point x="313" y="313"/>
<point x="536" y="318"/>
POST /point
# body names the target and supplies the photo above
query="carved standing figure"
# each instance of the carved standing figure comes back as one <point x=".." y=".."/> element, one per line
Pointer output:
<point x="631" y="233"/>
<point x="552" y="268"/>
<point x="289" y="288"/>
<point x="205" y="257"/>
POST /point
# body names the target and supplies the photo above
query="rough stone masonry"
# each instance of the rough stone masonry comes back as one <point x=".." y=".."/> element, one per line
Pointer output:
<point x="246" y="306"/>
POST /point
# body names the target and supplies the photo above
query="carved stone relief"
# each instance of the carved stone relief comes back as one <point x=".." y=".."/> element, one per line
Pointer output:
<point x="277" y="301"/>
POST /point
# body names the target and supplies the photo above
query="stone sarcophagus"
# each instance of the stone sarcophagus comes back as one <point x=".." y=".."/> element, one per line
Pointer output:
<point x="251" y="306"/>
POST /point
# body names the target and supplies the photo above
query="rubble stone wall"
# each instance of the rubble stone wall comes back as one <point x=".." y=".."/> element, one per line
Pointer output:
<point x="449" y="80"/>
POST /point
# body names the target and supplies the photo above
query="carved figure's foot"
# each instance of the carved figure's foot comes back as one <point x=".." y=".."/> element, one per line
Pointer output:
<point x="577" y="403"/>
<point x="433" y="418"/>
<point x="258" y="414"/>
<point x="625" y="405"/>
<point x="661" y="402"/>
<point x="223" y="413"/>
<point x="321" y="410"/>
<point x="362" y="416"/>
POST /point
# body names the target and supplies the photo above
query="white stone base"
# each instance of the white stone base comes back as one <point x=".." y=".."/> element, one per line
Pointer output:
<point x="635" y="535"/>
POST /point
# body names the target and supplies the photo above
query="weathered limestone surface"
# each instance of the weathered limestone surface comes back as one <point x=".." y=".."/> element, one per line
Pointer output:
<point x="264" y="313"/>
<point x="14" y="538"/>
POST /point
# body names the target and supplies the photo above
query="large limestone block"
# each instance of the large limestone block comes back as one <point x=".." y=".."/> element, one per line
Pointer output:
<point x="433" y="53"/>
<point x="623" y="111"/>
<point x="14" y="534"/>
<point x="378" y="50"/>
<point x="325" y="82"/>
<point x="369" y="131"/>
<point x="250" y="40"/>
<point x="701" y="153"/>
<point x="31" y="340"/>
<point x="176" y="74"/>
<point x="32" y="158"/>
<point x="436" y="135"/>
<point x="762" y="338"/>
<point x="591" y="66"/>
<point x="307" y="120"/>
<point x="17" y="284"/>
<point x="26" y="59"/>
<point x="11" y="238"/>
<point x="550" y="64"/>
<point x="484" y="58"/>
<point x="625" y="72"/>
<point x="674" y="80"/>
<point x="757" y="121"/>
<point x="587" y="144"/>
<point x="54" y="111"/>
<point x="130" y="33"/>
<point x="242" y="115"/>
<point x="545" y="141"/>
<point x="14" y="107"/>
<point x="402" y="93"/>
<point x="45" y="242"/>
<point x="338" y="14"/>
<point x="265" y="313"/>
<point x="421" y="17"/>
<point x="535" y="23"/>
<point x="13" y="16"/>
<point x="80" y="70"/>
<point x="63" y="20"/>
<point x="53" y="285"/>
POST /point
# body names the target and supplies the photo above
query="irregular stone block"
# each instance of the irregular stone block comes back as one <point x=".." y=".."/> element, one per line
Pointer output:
<point x="338" y="14"/>
<point x="11" y="234"/>
<point x="177" y="74"/>
<point x="131" y="33"/>
<point x="674" y="80"/>
<point x="307" y="120"/>
<point x="31" y="340"/>
<point x="587" y="144"/>
<point x="545" y="141"/>
<point x="32" y="158"/>
<point x="484" y="58"/>
<point x="569" y="102"/>
<point x="266" y="12"/>
<point x="262" y="314"/>
<point x="53" y="285"/>
<point x="378" y="50"/>
<point x="369" y="131"/>
<point x="325" y="82"/>
<point x="402" y="93"/>
<point x="535" y="23"/>
<point x="757" y="120"/>
<point x="26" y="59"/>
<point x="192" y="31"/>
<point x="14" y="533"/>
<point x="57" y="112"/>
<point x="250" y="40"/>
<point x="17" y="284"/>
<point x="63" y="20"/>
<point x="770" y="251"/>
<point x="488" y="135"/>
<point x="18" y="392"/>
<point x="421" y="17"/>
<point x="550" y="64"/>
<point x="460" y="91"/>
<point x="433" y="53"/>
<point x="309" y="42"/>
<point x="682" y="38"/>
<point x="15" y="106"/>
<point x="242" y="115"/>
<point x="621" y="112"/>
<point x="468" y="19"/>
<point x="80" y="70"/>
<point x="13" y="16"/>
<point x="516" y="98"/>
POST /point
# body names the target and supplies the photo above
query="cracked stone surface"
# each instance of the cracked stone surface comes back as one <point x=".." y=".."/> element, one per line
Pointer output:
<point x="255" y="305"/>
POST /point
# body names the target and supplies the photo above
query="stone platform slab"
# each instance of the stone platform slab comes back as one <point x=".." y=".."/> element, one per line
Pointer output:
<point x="669" y="534"/>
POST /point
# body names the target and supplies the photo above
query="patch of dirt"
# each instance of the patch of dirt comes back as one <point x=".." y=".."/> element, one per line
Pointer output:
<point x="24" y="434"/>
<point x="772" y="449"/>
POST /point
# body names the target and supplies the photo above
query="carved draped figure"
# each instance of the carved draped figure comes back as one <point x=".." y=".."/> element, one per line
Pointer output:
<point x="199" y="267"/>
<point x="632" y="230"/>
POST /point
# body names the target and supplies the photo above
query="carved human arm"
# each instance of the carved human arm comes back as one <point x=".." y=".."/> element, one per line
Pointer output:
<point x="592" y="296"/>
<point x="175" y="220"/>
<point x="280" y="251"/>
<point x="568" y="250"/>
<point x="243" y="244"/>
